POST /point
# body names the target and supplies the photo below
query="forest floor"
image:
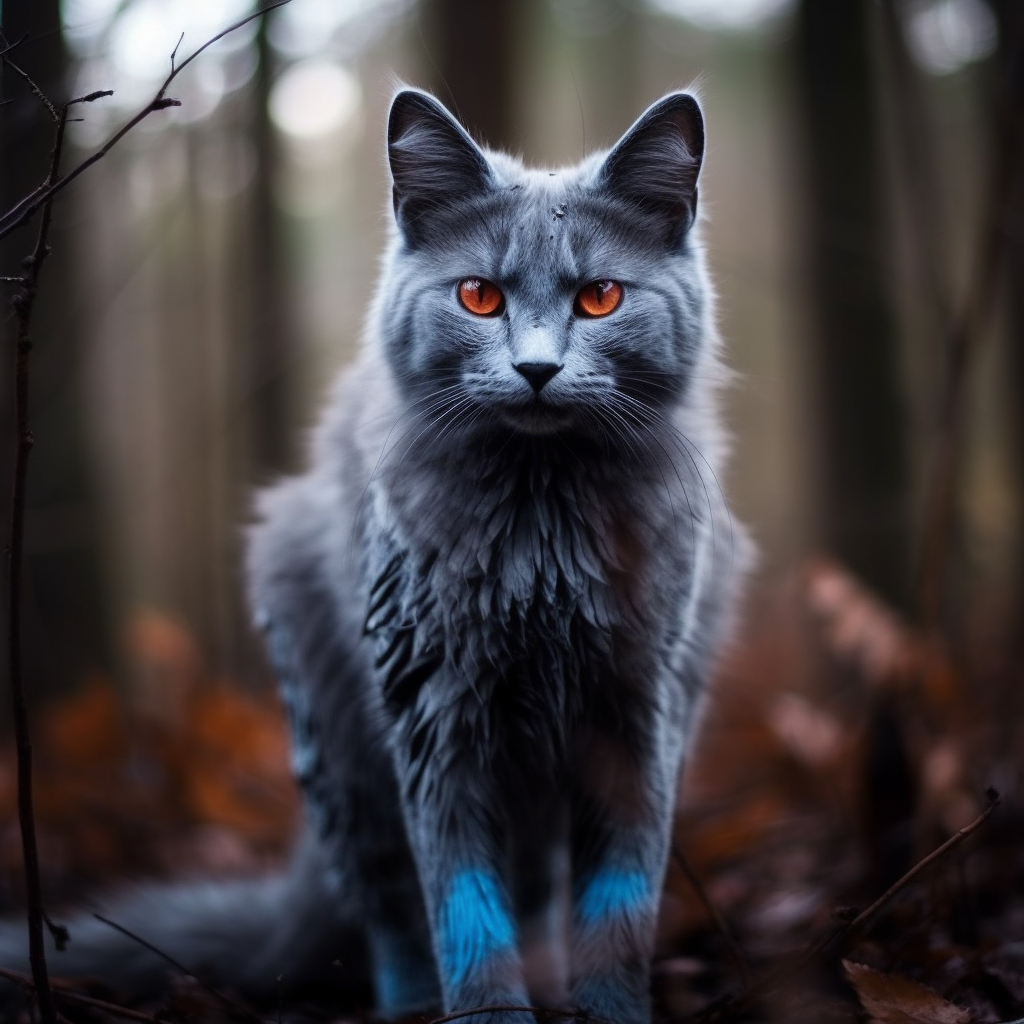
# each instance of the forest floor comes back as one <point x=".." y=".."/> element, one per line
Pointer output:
<point x="839" y="750"/>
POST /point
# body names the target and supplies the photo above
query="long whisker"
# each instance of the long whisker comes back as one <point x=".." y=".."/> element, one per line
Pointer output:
<point x="687" y="447"/>
<point x="426" y="406"/>
<point x="645" y="426"/>
<point x="626" y="431"/>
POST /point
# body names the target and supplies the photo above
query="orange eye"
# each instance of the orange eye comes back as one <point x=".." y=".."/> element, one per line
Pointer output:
<point x="599" y="298"/>
<point x="481" y="297"/>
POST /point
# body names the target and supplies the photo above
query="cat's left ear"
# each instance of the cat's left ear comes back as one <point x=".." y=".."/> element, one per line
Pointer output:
<point x="656" y="163"/>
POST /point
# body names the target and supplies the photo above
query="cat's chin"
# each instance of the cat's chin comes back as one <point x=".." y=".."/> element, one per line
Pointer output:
<point x="536" y="420"/>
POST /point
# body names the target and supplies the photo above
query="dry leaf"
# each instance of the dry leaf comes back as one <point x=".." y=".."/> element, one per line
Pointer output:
<point x="858" y="627"/>
<point x="893" y="999"/>
<point x="810" y="733"/>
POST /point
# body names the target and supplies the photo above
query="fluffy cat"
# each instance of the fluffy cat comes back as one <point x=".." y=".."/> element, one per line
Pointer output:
<point x="494" y="598"/>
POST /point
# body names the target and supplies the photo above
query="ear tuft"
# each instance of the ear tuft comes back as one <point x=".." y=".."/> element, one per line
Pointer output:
<point x="655" y="165"/>
<point x="434" y="162"/>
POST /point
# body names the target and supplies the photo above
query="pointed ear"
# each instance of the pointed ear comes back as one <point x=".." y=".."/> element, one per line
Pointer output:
<point x="434" y="162"/>
<point x="656" y="163"/>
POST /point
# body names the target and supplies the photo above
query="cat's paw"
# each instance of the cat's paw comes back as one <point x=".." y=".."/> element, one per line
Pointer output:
<point x="480" y="1006"/>
<point x="485" y="1016"/>
<point x="610" y="1001"/>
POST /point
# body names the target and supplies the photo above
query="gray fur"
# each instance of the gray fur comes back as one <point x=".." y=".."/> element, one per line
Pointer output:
<point x="493" y="611"/>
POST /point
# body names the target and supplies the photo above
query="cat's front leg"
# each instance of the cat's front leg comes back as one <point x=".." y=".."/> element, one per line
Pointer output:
<point x="621" y="824"/>
<point x="456" y="835"/>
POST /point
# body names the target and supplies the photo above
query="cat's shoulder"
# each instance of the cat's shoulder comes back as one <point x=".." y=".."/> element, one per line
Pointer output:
<point x="306" y="521"/>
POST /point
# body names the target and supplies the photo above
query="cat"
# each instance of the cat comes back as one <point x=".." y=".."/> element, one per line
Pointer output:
<point x="493" y="600"/>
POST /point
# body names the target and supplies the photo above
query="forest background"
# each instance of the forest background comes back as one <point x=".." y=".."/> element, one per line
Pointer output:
<point x="864" y="202"/>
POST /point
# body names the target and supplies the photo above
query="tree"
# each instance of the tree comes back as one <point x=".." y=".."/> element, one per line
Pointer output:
<point x="67" y="613"/>
<point x="862" y="471"/>
<point x="474" y="47"/>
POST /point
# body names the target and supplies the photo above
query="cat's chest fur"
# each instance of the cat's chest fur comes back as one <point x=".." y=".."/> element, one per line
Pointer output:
<point x="511" y="585"/>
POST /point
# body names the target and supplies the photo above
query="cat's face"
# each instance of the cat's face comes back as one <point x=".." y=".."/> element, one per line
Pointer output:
<point x="537" y="301"/>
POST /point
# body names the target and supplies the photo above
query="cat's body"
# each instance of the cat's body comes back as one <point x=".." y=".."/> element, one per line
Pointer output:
<point x="493" y="600"/>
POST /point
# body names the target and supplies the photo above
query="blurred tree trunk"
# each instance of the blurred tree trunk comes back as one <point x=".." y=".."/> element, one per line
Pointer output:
<point x="1012" y="28"/>
<point x="270" y="338"/>
<point x="67" y="625"/>
<point x="473" y="48"/>
<point x="862" y="472"/>
<point x="1007" y="85"/>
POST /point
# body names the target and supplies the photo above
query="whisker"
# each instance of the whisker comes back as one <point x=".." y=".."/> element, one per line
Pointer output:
<point x="675" y="469"/>
<point x="690" y="449"/>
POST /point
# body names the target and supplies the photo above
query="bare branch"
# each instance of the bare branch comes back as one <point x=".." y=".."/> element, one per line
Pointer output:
<point x="97" y="1004"/>
<point x="716" y="915"/>
<point x="91" y="97"/>
<point x="174" y="52"/>
<point x="23" y="211"/>
<point x="36" y="91"/>
<point x="538" y="1011"/>
<point x="178" y="965"/>
<point x="8" y="47"/>
<point x="22" y="303"/>
<point x="862" y="919"/>
<point x="851" y="925"/>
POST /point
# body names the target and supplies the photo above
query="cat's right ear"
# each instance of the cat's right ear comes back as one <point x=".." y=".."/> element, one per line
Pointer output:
<point x="434" y="162"/>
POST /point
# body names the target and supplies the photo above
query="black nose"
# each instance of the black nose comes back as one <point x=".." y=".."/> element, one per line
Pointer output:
<point x="538" y="374"/>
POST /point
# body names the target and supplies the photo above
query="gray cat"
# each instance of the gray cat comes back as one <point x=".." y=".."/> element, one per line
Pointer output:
<point x="494" y="598"/>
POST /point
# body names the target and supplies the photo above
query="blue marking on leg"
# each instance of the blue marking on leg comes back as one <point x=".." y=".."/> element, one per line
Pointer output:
<point x="610" y="893"/>
<point x="474" y="925"/>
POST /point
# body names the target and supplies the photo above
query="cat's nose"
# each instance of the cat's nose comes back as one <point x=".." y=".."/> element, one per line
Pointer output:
<point x="538" y="374"/>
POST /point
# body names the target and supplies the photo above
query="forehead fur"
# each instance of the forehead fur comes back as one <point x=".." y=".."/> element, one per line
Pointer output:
<point x="562" y="220"/>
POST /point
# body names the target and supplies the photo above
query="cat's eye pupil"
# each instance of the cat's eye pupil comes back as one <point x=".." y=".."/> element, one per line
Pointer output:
<point x="599" y="298"/>
<point x="481" y="297"/>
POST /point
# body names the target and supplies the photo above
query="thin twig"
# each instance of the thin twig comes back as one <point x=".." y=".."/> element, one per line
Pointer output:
<point x="22" y="303"/>
<point x="994" y="800"/>
<point x="75" y="997"/>
<point x="845" y="931"/>
<point x="38" y="194"/>
<point x="174" y="52"/>
<point x="8" y="47"/>
<point x="23" y="203"/>
<point x="23" y="211"/>
<point x="178" y="965"/>
<point x="542" y="1011"/>
<point x="36" y="91"/>
<point x="716" y="915"/>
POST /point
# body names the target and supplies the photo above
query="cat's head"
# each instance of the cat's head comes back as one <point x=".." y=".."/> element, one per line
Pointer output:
<point x="543" y="301"/>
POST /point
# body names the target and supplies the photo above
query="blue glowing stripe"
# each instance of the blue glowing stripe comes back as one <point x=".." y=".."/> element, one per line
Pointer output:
<point x="474" y="925"/>
<point x="612" y="893"/>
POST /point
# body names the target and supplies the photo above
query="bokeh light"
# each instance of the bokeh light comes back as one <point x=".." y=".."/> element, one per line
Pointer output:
<point x="315" y="98"/>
